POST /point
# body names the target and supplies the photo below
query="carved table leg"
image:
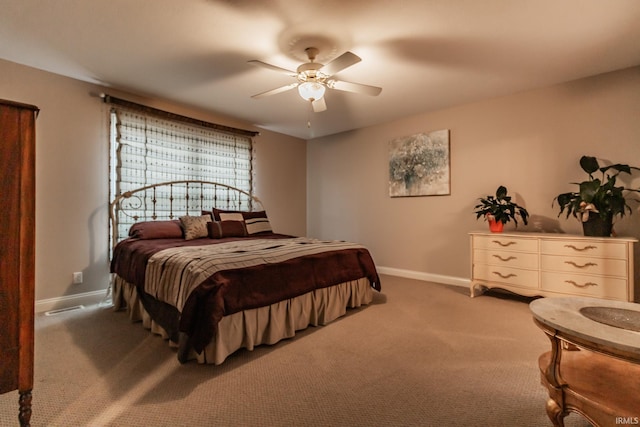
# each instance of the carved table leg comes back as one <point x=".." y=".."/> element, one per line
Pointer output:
<point x="554" y="382"/>
<point x="555" y="413"/>
<point x="25" y="408"/>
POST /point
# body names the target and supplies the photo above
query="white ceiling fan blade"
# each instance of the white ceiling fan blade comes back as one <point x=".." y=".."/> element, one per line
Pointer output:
<point x="273" y="68"/>
<point x="276" y="90"/>
<point x="354" y="87"/>
<point x="343" y="61"/>
<point x="319" y="105"/>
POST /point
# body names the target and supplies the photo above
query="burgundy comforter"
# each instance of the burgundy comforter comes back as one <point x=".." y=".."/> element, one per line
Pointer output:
<point x="230" y="291"/>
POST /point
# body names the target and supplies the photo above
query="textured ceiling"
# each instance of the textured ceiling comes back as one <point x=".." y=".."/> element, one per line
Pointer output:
<point x="425" y="54"/>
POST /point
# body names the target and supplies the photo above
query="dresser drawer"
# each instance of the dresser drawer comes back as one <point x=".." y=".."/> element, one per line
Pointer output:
<point x="584" y="265"/>
<point x="584" y="248"/>
<point x="507" y="243"/>
<point x="584" y="285"/>
<point x="511" y="276"/>
<point x="506" y="258"/>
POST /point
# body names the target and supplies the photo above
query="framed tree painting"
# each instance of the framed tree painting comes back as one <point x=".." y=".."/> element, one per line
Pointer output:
<point x="419" y="165"/>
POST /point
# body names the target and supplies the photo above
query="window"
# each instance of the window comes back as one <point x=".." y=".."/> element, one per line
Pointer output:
<point x="148" y="148"/>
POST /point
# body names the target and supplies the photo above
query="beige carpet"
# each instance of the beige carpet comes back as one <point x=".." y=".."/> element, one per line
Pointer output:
<point x="422" y="354"/>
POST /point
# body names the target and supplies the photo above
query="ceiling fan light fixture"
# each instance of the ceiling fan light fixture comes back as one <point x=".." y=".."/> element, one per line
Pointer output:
<point x="310" y="91"/>
<point x="314" y="78"/>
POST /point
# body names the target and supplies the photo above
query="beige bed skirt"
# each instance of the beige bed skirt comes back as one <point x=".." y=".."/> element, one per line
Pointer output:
<point x="265" y="325"/>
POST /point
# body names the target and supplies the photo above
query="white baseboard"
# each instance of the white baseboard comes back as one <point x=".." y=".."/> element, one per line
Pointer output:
<point x="86" y="298"/>
<point x="428" y="277"/>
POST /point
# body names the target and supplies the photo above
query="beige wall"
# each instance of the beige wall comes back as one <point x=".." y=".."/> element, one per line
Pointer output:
<point x="72" y="178"/>
<point x="530" y="142"/>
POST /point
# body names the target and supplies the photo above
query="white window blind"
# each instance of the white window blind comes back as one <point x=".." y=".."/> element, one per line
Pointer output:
<point x="148" y="149"/>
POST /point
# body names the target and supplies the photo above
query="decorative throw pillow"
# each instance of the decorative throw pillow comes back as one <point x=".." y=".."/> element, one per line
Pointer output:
<point x="256" y="222"/>
<point x="230" y="216"/>
<point x="216" y="213"/>
<point x="156" y="230"/>
<point x="195" y="227"/>
<point x="210" y="213"/>
<point x="220" y="229"/>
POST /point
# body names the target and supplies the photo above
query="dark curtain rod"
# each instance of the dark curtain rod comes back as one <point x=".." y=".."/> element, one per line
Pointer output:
<point x="172" y="116"/>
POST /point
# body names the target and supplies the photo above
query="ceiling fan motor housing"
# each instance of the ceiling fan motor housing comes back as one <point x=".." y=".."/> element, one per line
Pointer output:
<point x="309" y="72"/>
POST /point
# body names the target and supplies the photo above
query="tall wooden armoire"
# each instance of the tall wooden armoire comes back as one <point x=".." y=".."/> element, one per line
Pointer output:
<point x="17" y="251"/>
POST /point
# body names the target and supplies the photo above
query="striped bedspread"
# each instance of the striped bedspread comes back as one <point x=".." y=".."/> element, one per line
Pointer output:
<point x="173" y="274"/>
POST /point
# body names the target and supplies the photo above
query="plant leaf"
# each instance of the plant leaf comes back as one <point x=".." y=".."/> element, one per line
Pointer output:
<point x="619" y="167"/>
<point x="589" y="190"/>
<point x="501" y="192"/>
<point x="589" y="164"/>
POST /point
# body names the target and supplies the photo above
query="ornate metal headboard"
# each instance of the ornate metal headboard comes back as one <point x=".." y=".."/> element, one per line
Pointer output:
<point x="170" y="200"/>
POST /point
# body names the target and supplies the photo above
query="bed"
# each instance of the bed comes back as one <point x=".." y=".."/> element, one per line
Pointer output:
<point x="198" y="263"/>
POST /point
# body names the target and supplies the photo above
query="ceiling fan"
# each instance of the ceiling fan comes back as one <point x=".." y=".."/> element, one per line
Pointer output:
<point x="314" y="78"/>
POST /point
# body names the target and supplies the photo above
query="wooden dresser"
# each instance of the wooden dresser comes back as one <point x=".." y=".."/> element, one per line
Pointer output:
<point x="17" y="251"/>
<point x="533" y="264"/>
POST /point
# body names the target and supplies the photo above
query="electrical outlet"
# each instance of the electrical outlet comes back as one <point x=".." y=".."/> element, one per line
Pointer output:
<point x="77" y="277"/>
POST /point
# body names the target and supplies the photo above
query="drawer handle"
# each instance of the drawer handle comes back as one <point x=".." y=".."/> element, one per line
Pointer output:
<point x="509" y="258"/>
<point x="504" y="276"/>
<point x="586" y="248"/>
<point x="506" y="244"/>
<point x="589" y="264"/>
<point x="571" y="282"/>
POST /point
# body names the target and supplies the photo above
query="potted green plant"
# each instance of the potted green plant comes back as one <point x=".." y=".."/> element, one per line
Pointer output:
<point x="499" y="210"/>
<point x="598" y="200"/>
